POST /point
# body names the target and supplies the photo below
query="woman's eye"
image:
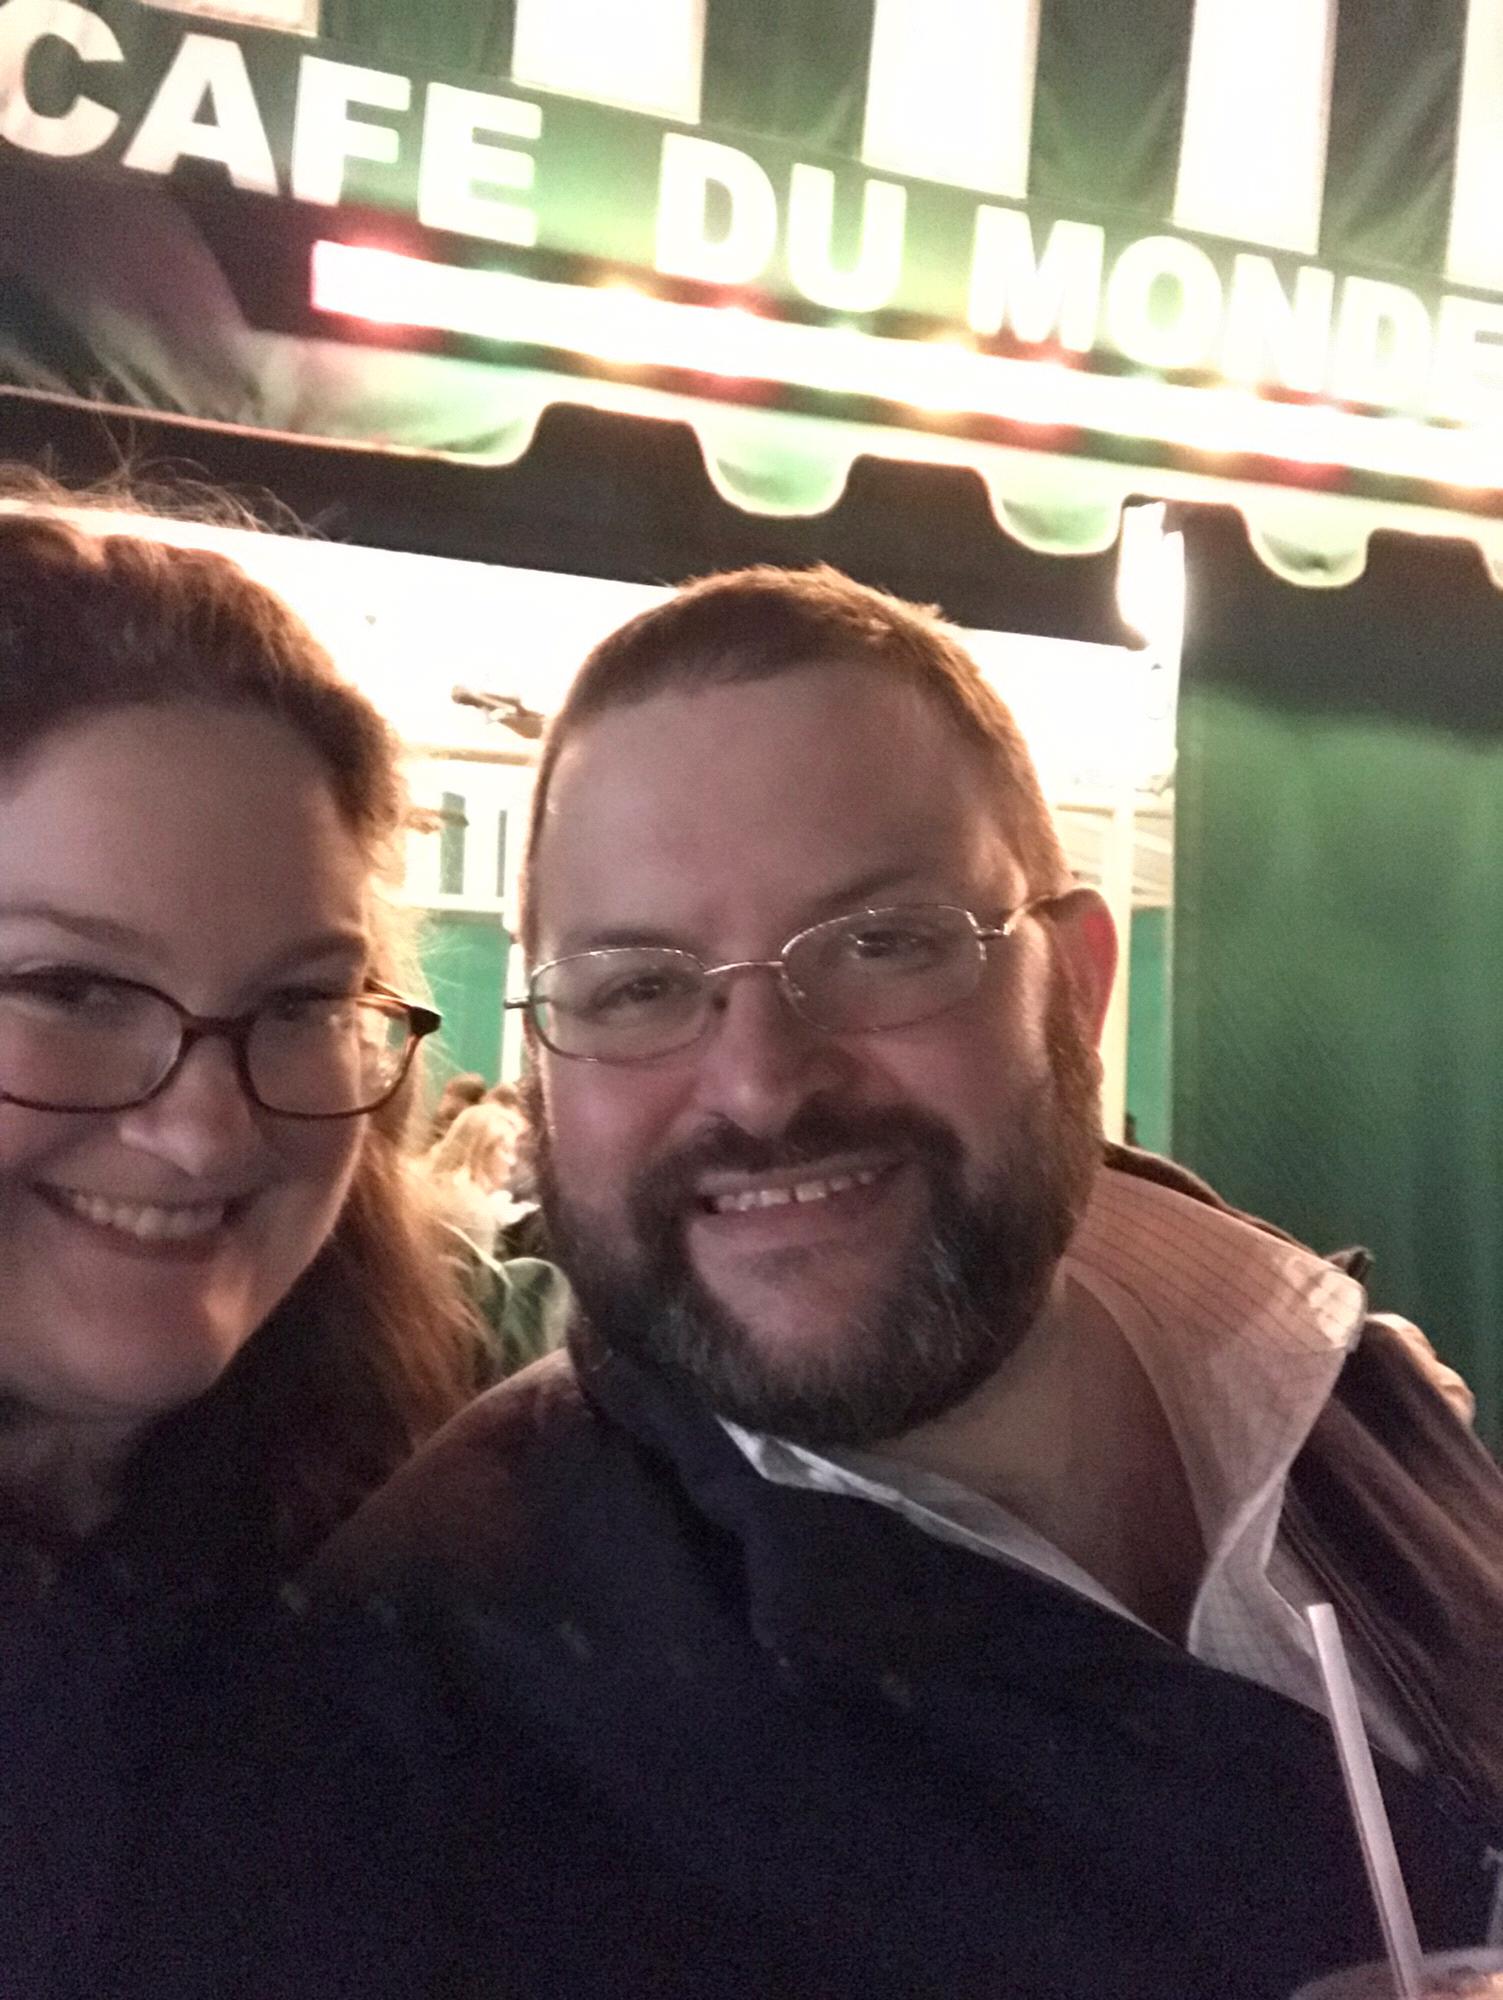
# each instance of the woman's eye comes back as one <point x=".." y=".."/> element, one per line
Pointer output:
<point x="306" y="1008"/>
<point x="65" y="989"/>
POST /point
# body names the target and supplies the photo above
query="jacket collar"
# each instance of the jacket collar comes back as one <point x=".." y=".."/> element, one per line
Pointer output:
<point x="831" y="1577"/>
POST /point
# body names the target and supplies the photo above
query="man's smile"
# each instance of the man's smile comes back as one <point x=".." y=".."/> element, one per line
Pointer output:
<point x="791" y="1188"/>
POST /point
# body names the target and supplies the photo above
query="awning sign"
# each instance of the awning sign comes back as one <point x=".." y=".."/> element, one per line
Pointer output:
<point x="1268" y="233"/>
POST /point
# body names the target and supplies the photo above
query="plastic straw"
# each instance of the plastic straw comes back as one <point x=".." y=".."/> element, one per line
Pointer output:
<point x="1373" y="1830"/>
<point x="1495" y="1916"/>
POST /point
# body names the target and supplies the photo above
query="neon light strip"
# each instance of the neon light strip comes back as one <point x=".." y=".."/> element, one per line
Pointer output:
<point x="622" y="327"/>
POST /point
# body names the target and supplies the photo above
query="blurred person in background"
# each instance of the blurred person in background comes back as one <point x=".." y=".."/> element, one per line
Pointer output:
<point x="520" y="1295"/>
<point x="470" y="1172"/>
<point x="458" y="1094"/>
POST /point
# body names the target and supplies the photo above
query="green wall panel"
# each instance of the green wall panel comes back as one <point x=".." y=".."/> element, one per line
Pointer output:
<point x="1148" y="1031"/>
<point x="464" y="958"/>
<point x="1338" y="925"/>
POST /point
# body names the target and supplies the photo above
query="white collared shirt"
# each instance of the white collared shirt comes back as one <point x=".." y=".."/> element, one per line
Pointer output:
<point x="1242" y="1337"/>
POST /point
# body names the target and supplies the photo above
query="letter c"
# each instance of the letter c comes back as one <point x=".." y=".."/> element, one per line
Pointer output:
<point x="86" y="126"/>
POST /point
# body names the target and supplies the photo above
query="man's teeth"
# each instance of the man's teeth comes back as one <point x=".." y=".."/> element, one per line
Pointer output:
<point x="148" y="1223"/>
<point x="800" y="1191"/>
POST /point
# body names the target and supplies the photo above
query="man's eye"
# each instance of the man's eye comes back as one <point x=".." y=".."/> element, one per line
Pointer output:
<point x="643" y="990"/>
<point x="891" y="942"/>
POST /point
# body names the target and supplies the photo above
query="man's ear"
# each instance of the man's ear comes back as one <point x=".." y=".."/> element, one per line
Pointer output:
<point x="1086" y="939"/>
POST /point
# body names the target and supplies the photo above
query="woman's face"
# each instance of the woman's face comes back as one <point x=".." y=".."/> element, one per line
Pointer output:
<point x="198" y="850"/>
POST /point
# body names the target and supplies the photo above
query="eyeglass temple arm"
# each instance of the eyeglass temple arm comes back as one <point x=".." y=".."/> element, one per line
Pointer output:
<point x="987" y="933"/>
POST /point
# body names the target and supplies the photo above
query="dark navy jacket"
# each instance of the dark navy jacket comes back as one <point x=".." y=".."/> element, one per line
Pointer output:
<point x="585" y="1707"/>
<point x="907" y="1770"/>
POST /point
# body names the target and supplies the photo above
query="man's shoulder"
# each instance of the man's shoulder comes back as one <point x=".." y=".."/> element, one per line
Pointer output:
<point x="513" y="1459"/>
<point x="537" y="1411"/>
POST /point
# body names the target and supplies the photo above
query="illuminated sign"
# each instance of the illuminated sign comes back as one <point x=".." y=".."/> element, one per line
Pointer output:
<point x="753" y="260"/>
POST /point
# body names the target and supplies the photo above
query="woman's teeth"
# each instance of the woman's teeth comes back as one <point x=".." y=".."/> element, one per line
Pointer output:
<point x="149" y="1224"/>
<point x="800" y="1191"/>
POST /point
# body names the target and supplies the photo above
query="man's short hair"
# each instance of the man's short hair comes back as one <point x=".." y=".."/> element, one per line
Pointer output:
<point x="755" y="624"/>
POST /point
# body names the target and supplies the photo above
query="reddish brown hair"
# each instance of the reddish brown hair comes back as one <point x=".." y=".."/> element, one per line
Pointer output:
<point x="373" y="1347"/>
<point x="754" y="624"/>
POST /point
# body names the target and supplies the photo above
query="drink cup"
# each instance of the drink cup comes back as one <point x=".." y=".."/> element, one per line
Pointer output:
<point x="1461" y="1975"/>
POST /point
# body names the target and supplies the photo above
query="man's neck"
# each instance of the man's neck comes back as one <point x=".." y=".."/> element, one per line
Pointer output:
<point x="1069" y="1436"/>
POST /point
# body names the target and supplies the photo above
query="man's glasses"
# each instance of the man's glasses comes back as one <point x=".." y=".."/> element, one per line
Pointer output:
<point x="853" y="975"/>
<point x="74" y="1040"/>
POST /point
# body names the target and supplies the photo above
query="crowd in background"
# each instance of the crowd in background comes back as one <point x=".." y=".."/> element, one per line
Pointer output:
<point x="477" y="1175"/>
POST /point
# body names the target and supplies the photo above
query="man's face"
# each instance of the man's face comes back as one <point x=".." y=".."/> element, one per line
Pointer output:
<point x="937" y="1169"/>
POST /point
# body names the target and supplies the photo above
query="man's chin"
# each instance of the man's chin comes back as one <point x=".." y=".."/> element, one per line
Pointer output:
<point x="792" y="1308"/>
<point x="826" y="1335"/>
<point x="821" y="1351"/>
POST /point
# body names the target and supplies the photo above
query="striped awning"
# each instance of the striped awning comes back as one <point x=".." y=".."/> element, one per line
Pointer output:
<point x="1183" y="247"/>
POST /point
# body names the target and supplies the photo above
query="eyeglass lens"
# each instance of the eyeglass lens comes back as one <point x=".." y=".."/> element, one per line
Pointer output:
<point x="327" y="1055"/>
<point x="74" y="1043"/>
<point x="877" y="969"/>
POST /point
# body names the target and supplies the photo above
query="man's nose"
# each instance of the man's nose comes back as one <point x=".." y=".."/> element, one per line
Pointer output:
<point x="203" y="1122"/>
<point x="760" y="1061"/>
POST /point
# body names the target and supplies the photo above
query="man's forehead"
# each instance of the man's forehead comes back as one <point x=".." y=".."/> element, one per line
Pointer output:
<point x="784" y="793"/>
<point x="735" y="725"/>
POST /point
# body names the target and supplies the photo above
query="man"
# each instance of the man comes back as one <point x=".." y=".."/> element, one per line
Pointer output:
<point x="907" y="1560"/>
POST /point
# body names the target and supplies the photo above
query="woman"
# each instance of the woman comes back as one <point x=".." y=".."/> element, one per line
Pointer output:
<point x="522" y="1299"/>
<point x="225" y="1315"/>
<point x="470" y="1172"/>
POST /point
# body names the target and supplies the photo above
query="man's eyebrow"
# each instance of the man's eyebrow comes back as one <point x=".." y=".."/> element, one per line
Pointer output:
<point x="617" y="937"/>
<point x="865" y="889"/>
<point x="856" y="893"/>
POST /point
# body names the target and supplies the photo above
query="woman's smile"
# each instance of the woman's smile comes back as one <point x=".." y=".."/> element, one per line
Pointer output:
<point x="149" y="1243"/>
<point x="191" y="1230"/>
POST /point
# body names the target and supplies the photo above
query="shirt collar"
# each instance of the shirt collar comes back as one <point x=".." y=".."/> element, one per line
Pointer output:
<point x="1241" y="1332"/>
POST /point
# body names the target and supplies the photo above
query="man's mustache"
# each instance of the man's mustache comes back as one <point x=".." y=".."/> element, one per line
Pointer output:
<point x="817" y="1134"/>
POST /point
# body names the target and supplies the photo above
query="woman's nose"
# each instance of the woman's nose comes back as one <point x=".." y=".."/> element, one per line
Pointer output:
<point x="200" y="1122"/>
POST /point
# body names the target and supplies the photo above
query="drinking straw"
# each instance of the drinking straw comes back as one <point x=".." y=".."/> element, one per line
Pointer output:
<point x="1366" y="1801"/>
<point x="1495" y="1916"/>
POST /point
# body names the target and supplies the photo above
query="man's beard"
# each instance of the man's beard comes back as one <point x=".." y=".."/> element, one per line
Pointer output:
<point x="971" y="1286"/>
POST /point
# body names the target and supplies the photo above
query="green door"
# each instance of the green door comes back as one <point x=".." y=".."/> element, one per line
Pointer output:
<point x="464" y="956"/>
